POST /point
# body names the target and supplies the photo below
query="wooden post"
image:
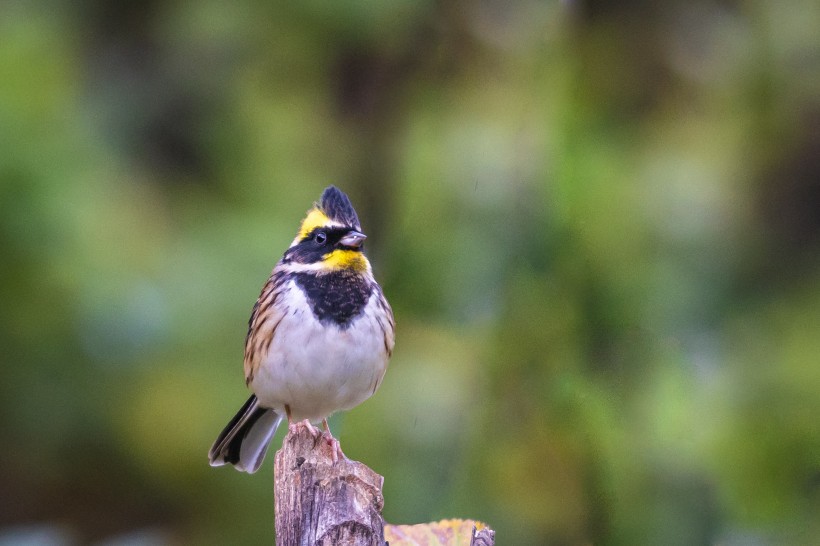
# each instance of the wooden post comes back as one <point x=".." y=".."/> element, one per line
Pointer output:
<point x="322" y="503"/>
<point x="319" y="502"/>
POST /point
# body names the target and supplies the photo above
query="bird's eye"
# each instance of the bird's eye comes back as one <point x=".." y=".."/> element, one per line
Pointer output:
<point x="320" y="237"/>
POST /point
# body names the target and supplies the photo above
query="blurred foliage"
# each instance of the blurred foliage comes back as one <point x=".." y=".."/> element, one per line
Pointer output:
<point x="597" y="223"/>
<point x="447" y="532"/>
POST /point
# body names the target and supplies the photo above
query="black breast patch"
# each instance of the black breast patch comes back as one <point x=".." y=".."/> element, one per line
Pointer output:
<point x="335" y="298"/>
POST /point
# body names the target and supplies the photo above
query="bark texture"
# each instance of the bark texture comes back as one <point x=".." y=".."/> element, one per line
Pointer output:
<point x="320" y="502"/>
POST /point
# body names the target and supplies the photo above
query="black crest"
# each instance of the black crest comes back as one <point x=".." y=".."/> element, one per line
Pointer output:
<point x="336" y="205"/>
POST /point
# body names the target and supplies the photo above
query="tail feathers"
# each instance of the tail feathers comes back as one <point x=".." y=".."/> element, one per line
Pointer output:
<point x="244" y="442"/>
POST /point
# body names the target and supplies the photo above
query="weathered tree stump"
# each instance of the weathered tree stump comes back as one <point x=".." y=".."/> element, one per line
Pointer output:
<point x="319" y="502"/>
<point x="322" y="503"/>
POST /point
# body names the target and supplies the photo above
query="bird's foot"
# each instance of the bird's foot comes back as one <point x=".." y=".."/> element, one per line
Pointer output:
<point x="336" y="452"/>
<point x="293" y="428"/>
<point x="313" y="430"/>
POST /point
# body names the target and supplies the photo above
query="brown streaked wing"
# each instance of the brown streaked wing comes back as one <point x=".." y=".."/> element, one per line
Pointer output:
<point x="389" y="329"/>
<point x="265" y="317"/>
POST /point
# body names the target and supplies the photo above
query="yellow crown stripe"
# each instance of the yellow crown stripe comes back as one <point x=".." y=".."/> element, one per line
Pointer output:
<point x="315" y="218"/>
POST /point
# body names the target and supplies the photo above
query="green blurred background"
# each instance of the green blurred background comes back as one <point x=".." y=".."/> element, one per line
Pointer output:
<point x="598" y="225"/>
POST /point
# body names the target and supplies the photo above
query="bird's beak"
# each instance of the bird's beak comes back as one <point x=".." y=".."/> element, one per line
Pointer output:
<point x="353" y="239"/>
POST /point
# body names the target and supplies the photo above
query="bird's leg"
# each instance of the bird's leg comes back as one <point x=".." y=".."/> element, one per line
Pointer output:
<point x="292" y="427"/>
<point x="336" y="447"/>
<point x="313" y="431"/>
<point x="291" y="424"/>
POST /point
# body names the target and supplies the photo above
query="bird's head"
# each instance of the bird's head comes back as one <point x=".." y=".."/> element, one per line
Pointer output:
<point x="330" y="236"/>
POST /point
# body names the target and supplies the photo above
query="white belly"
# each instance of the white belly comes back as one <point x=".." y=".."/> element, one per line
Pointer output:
<point x="318" y="369"/>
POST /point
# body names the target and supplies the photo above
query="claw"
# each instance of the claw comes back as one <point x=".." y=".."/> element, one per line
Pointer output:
<point x="293" y="428"/>
<point x="336" y="452"/>
<point x="335" y="447"/>
<point x="313" y="430"/>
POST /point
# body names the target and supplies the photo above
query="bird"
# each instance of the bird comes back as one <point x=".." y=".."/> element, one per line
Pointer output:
<point x="319" y="337"/>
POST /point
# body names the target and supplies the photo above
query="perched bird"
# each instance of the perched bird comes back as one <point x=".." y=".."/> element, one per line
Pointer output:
<point x="319" y="336"/>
